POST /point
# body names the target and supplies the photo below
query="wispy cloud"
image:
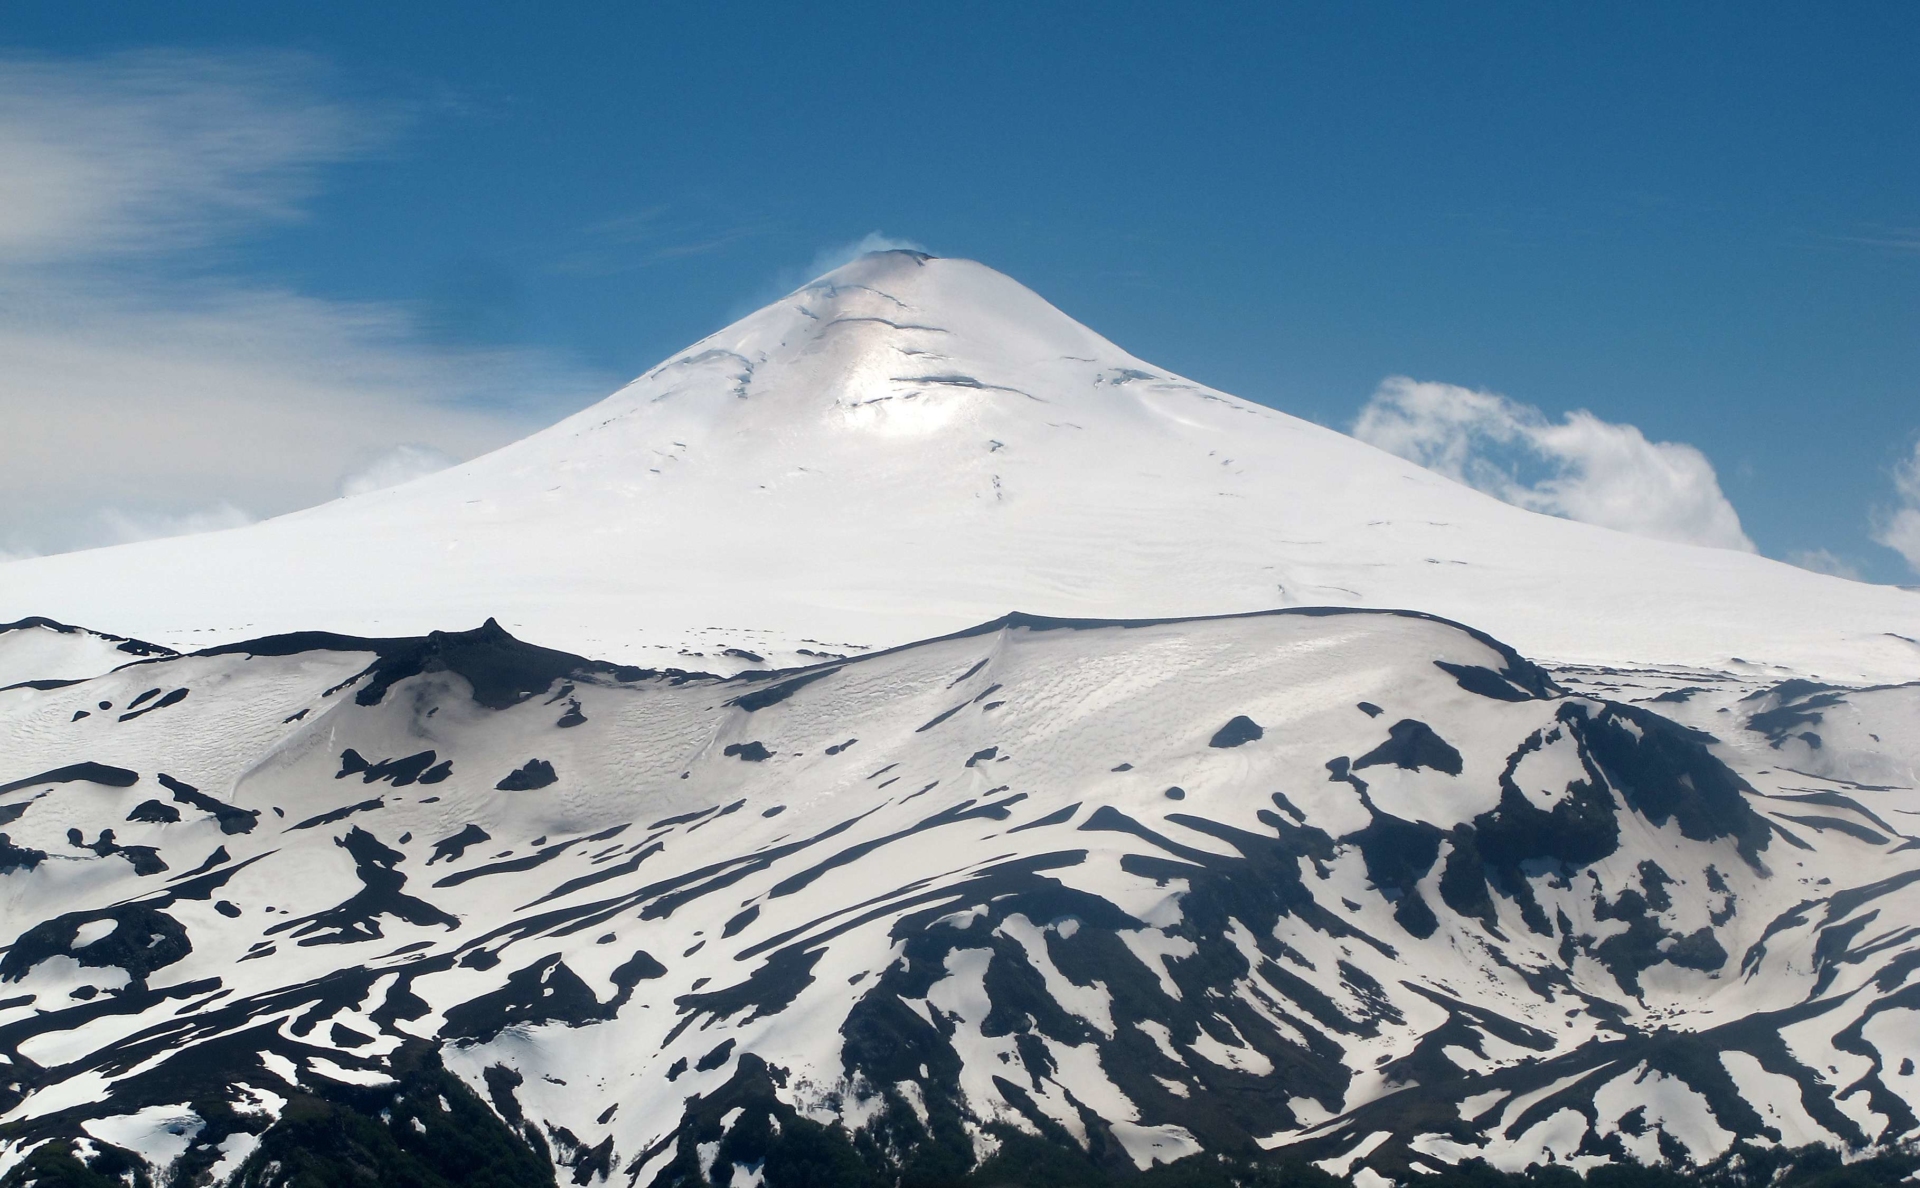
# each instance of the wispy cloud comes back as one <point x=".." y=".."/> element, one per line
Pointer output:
<point x="401" y="464"/>
<point x="122" y="526"/>
<point x="146" y="385"/>
<point x="829" y="258"/>
<point x="1897" y="239"/>
<point x="824" y="261"/>
<point x="142" y="154"/>
<point x="1582" y="468"/>
<point x="654" y="235"/>
<point x="1898" y="527"/>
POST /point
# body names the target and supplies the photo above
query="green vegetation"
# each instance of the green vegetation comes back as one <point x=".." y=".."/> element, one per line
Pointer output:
<point x="55" y="1165"/>
<point x="396" y="1137"/>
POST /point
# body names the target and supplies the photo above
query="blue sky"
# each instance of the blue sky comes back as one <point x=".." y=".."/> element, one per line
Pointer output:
<point x="456" y="223"/>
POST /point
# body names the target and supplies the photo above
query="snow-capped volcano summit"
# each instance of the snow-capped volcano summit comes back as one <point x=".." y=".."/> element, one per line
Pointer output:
<point x="910" y="445"/>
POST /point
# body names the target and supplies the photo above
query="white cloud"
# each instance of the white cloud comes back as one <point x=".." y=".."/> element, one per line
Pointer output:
<point x="401" y="464"/>
<point x="142" y="380"/>
<point x="155" y="151"/>
<point x="259" y="399"/>
<point x="1901" y="533"/>
<point x="1899" y="528"/>
<point x="1824" y="561"/>
<point x="123" y="527"/>
<point x="1582" y="468"/>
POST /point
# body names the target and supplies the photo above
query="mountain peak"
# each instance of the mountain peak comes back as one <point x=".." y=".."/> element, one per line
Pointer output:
<point x="887" y="255"/>
<point x="913" y="443"/>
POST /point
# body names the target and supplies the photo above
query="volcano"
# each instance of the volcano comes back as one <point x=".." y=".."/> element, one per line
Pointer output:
<point x="909" y="741"/>
<point x="909" y="446"/>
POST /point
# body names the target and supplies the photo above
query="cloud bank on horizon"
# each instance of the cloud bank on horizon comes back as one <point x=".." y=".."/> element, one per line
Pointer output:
<point x="1899" y="528"/>
<point x="147" y="390"/>
<point x="1582" y="468"/>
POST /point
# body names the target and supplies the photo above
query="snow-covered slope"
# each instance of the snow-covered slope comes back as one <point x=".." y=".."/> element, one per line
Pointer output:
<point x="1364" y="886"/>
<point x="910" y="445"/>
<point x="40" y="649"/>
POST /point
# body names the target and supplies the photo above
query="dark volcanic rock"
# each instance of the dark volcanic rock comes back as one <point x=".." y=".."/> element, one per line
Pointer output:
<point x="1238" y="731"/>
<point x="1412" y="745"/>
<point x="91" y="773"/>
<point x="232" y="818"/>
<point x="533" y="775"/>
<point x="453" y="847"/>
<point x="142" y="940"/>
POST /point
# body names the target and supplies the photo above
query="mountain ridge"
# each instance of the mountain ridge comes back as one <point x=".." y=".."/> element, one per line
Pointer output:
<point x="1330" y="874"/>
